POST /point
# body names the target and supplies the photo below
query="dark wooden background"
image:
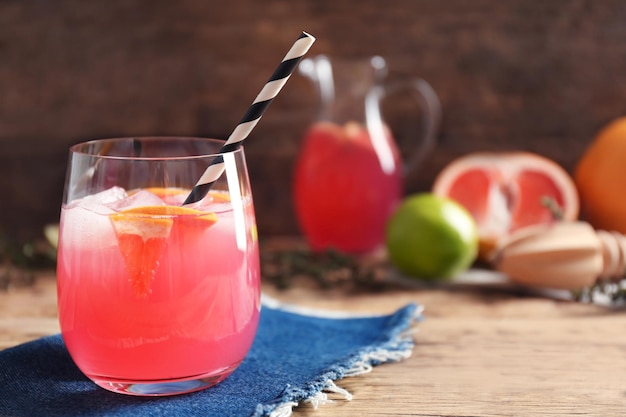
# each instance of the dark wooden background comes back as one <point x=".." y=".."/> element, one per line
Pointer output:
<point x="517" y="74"/>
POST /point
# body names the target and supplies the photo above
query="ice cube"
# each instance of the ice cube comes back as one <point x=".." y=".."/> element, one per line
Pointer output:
<point x="98" y="202"/>
<point x="87" y="226"/>
<point x="141" y="198"/>
<point x="214" y="202"/>
<point x="85" y="222"/>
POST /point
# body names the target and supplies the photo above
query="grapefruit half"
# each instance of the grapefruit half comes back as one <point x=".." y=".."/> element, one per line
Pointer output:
<point x="506" y="191"/>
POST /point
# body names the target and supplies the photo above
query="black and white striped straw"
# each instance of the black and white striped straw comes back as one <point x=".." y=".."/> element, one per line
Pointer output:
<point x="253" y="115"/>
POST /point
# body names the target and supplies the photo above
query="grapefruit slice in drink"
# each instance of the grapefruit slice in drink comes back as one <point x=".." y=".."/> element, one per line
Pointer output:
<point x="142" y="234"/>
<point x="505" y="191"/>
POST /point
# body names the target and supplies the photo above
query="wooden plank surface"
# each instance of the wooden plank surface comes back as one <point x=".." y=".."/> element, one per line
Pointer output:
<point x="492" y="355"/>
<point x="480" y="352"/>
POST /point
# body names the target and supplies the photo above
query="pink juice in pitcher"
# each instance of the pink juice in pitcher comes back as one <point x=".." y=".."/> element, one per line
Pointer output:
<point x="149" y="291"/>
<point x="349" y="175"/>
<point x="347" y="183"/>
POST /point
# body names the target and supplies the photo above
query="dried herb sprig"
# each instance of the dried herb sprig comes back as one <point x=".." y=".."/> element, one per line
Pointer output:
<point x="19" y="261"/>
<point x="326" y="269"/>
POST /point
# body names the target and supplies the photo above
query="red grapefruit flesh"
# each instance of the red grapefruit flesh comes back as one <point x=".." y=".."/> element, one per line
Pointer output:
<point x="142" y="235"/>
<point x="507" y="191"/>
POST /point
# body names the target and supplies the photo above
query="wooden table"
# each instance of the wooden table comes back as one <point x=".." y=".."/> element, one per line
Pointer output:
<point x="481" y="351"/>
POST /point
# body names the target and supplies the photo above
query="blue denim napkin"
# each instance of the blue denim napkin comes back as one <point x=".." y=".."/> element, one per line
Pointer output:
<point x="295" y="357"/>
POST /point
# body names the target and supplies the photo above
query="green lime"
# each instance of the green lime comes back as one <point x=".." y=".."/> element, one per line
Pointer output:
<point x="431" y="237"/>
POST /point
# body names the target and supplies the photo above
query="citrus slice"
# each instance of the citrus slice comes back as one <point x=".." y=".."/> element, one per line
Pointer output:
<point x="507" y="191"/>
<point x="142" y="234"/>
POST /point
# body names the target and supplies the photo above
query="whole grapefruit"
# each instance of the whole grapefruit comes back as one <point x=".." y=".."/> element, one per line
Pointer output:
<point x="601" y="178"/>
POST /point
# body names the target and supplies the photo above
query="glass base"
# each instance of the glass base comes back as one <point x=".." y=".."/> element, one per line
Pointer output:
<point x="163" y="387"/>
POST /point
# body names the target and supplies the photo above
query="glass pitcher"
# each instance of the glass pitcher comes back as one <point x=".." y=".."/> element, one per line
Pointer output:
<point x="349" y="174"/>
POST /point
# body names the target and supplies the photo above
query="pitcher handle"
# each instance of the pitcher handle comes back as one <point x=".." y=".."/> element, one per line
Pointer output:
<point x="431" y="107"/>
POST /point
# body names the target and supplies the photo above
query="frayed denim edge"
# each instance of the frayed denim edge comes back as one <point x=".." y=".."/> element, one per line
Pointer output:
<point x="316" y="392"/>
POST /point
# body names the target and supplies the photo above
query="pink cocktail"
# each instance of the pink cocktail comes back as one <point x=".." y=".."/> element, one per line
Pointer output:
<point x="155" y="298"/>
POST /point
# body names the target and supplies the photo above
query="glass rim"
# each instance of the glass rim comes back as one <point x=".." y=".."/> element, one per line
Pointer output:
<point x="85" y="147"/>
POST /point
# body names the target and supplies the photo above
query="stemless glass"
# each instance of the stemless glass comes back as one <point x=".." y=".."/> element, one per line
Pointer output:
<point x="156" y="298"/>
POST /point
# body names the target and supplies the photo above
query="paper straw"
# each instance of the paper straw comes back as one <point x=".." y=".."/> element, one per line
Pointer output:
<point x="252" y="116"/>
